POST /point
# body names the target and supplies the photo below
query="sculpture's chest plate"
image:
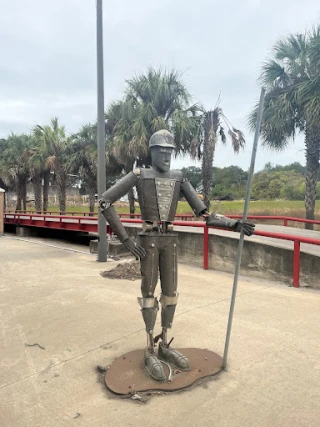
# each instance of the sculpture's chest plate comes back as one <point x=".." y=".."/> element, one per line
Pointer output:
<point x="164" y="191"/>
<point x="158" y="196"/>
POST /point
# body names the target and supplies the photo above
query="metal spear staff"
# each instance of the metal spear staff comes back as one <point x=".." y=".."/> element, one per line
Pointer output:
<point x="244" y="217"/>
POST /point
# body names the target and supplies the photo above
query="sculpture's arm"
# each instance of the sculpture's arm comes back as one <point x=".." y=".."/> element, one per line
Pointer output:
<point x="191" y="196"/>
<point x="110" y="196"/>
<point x="213" y="219"/>
<point x="108" y="211"/>
<point x="217" y="220"/>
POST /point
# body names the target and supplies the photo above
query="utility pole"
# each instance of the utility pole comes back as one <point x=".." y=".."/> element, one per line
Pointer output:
<point x="102" y="236"/>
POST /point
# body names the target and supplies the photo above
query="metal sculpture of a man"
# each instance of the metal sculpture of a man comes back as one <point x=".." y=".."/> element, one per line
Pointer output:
<point x="158" y="191"/>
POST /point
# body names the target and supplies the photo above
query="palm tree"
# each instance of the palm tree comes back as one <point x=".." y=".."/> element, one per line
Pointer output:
<point x="4" y="181"/>
<point x="153" y="101"/>
<point x="14" y="165"/>
<point x="288" y="77"/>
<point x="119" y="120"/>
<point x="83" y="159"/>
<point x="204" y="144"/>
<point x="55" y="143"/>
<point x="39" y="164"/>
<point x="36" y="166"/>
<point x="309" y="90"/>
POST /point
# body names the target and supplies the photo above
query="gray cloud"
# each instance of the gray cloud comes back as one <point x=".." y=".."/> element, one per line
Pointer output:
<point x="48" y="65"/>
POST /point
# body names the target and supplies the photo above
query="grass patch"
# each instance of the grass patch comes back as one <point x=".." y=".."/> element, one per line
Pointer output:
<point x="294" y="208"/>
<point x="264" y="207"/>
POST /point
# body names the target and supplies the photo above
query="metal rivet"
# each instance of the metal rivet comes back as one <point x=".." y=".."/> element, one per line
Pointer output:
<point x="159" y="183"/>
<point x="160" y="194"/>
<point x="152" y="245"/>
<point x="174" y="245"/>
<point x="171" y="184"/>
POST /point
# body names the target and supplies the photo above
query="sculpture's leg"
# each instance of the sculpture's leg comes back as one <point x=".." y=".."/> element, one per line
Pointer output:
<point x="168" y="263"/>
<point x="149" y="310"/>
<point x="149" y="305"/>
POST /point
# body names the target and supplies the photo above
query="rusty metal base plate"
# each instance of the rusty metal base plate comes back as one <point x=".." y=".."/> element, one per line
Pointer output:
<point x="127" y="374"/>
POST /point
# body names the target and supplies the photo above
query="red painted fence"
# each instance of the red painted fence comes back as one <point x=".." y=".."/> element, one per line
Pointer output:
<point x="90" y="224"/>
<point x="182" y="217"/>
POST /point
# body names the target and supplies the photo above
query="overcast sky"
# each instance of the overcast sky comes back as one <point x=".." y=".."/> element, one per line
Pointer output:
<point x="48" y="57"/>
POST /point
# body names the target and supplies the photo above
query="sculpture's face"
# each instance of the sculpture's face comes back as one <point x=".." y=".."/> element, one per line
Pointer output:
<point x="161" y="158"/>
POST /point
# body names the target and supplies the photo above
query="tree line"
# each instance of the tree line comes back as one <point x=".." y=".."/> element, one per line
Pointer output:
<point x="152" y="101"/>
<point x="272" y="182"/>
<point x="159" y="99"/>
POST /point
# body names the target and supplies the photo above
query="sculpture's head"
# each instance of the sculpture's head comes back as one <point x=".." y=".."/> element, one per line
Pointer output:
<point x="161" y="145"/>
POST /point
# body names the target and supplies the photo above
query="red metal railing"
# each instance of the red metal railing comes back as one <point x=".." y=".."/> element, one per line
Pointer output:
<point x="30" y="211"/>
<point x="90" y="214"/>
<point x="182" y="217"/>
<point x="285" y="219"/>
<point x="90" y="225"/>
<point x="296" y="239"/>
<point x="56" y="222"/>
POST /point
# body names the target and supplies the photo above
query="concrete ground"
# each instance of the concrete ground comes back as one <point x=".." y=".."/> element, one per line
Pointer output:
<point x="57" y="298"/>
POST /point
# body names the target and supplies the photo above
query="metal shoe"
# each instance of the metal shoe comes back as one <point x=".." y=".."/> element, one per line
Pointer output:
<point x="154" y="367"/>
<point x="174" y="358"/>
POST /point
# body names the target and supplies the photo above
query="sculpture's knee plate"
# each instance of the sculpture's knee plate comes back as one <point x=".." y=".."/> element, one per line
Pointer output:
<point x="166" y="300"/>
<point x="148" y="302"/>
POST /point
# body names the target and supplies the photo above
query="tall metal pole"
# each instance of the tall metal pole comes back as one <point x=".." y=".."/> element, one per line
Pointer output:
<point x="102" y="237"/>
<point x="244" y="217"/>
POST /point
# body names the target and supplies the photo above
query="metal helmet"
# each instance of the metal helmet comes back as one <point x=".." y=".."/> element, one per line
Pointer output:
<point x="162" y="138"/>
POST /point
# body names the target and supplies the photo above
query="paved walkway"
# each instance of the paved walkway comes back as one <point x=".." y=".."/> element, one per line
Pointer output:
<point x="56" y="298"/>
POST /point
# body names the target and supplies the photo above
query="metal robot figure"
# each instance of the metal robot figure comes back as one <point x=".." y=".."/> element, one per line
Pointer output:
<point x="158" y="192"/>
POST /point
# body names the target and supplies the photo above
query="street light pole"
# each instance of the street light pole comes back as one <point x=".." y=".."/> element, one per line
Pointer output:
<point x="102" y="237"/>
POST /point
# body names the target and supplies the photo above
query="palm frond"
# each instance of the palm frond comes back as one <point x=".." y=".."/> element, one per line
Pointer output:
<point x="291" y="47"/>
<point x="273" y="74"/>
<point x="222" y="135"/>
<point x="237" y="139"/>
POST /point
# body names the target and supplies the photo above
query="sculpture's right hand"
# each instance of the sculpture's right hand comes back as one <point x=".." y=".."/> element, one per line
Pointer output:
<point x="134" y="248"/>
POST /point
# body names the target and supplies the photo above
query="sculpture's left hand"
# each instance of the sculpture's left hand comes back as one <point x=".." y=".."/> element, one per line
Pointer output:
<point x="248" y="227"/>
<point x="134" y="247"/>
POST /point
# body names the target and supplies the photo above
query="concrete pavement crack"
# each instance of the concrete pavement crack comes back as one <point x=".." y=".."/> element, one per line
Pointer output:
<point x="127" y="336"/>
<point x="70" y="359"/>
<point x="222" y="300"/>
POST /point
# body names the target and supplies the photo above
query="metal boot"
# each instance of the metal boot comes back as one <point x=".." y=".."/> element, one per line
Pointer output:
<point x="170" y="355"/>
<point x="173" y="357"/>
<point x="149" y="309"/>
<point x="154" y="367"/>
